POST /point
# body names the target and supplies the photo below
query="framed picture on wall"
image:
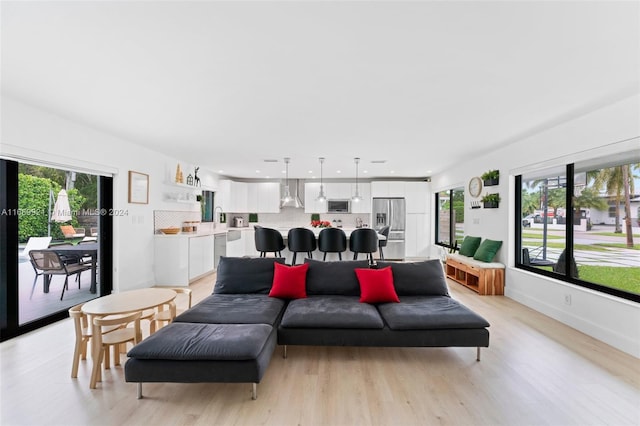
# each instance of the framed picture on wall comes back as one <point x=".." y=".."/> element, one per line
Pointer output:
<point x="138" y="188"/>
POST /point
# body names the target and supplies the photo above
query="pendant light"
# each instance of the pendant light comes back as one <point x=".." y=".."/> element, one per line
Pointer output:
<point x="356" y="197"/>
<point x="289" y="200"/>
<point x="286" y="196"/>
<point x="321" y="197"/>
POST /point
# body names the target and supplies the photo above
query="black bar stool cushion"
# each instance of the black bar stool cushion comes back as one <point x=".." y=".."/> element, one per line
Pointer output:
<point x="363" y="240"/>
<point x="332" y="240"/>
<point x="268" y="240"/>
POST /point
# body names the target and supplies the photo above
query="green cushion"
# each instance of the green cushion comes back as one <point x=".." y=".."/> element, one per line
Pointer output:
<point x="487" y="250"/>
<point x="469" y="246"/>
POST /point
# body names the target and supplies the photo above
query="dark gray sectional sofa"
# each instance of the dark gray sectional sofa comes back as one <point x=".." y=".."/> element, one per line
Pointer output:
<point x="230" y="336"/>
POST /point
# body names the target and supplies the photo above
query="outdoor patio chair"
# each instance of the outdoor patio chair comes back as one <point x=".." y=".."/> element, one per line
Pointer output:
<point x="49" y="263"/>
<point x="527" y="260"/>
<point x="35" y="243"/>
<point x="70" y="232"/>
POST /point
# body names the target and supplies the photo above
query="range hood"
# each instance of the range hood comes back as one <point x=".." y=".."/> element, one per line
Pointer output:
<point x="291" y="201"/>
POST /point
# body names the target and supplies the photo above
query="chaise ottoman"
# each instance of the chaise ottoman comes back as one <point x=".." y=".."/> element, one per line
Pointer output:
<point x="199" y="353"/>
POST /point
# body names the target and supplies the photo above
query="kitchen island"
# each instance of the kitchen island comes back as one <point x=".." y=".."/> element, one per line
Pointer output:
<point x="187" y="256"/>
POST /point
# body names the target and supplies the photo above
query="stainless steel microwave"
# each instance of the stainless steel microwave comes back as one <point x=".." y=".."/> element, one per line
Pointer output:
<point x="338" y="206"/>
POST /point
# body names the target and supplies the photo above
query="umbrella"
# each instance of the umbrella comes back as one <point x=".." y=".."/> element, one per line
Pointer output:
<point x="62" y="209"/>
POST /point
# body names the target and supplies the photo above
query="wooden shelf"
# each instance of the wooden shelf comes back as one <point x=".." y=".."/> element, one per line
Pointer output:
<point x="484" y="281"/>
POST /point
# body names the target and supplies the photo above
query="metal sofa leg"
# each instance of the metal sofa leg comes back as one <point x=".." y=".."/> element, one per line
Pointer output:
<point x="478" y="354"/>
<point x="284" y="352"/>
<point x="254" y="391"/>
<point x="139" y="390"/>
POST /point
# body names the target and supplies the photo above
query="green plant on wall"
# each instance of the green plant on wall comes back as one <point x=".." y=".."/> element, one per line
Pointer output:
<point x="491" y="175"/>
<point x="491" y="198"/>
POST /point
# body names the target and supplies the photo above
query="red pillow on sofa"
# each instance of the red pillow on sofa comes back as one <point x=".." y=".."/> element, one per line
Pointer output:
<point x="289" y="282"/>
<point x="376" y="285"/>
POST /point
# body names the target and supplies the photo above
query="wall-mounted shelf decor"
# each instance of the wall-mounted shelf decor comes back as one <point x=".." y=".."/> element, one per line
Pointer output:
<point x="475" y="204"/>
<point x="491" y="177"/>
<point x="491" y="201"/>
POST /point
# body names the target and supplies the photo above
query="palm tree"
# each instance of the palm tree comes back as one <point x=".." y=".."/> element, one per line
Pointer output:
<point x="589" y="198"/>
<point x="619" y="183"/>
<point x="530" y="201"/>
<point x="611" y="179"/>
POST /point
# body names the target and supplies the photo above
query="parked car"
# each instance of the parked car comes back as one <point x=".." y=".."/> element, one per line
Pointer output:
<point x="530" y="219"/>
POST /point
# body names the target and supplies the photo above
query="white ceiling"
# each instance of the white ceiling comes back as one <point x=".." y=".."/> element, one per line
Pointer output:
<point x="225" y="85"/>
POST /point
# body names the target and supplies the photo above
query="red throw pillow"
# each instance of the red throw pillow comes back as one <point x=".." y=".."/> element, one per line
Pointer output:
<point x="376" y="285"/>
<point x="289" y="282"/>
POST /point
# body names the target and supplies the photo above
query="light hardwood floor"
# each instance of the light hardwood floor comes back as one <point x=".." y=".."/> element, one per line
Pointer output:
<point x="537" y="371"/>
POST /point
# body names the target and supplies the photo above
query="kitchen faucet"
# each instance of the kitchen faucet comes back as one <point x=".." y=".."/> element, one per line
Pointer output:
<point x="216" y="217"/>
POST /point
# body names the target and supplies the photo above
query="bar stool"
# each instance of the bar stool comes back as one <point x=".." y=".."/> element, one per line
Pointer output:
<point x="268" y="240"/>
<point x="332" y="240"/>
<point x="301" y="240"/>
<point x="383" y="243"/>
<point x="363" y="240"/>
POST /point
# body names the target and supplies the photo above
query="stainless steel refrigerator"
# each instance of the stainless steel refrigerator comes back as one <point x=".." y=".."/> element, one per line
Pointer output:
<point x="391" y="212"/>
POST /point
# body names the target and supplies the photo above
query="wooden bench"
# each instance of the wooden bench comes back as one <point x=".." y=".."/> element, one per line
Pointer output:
<point x="481" y="277"/>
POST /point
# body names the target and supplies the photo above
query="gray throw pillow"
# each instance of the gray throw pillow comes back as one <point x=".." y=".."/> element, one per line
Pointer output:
<point x="336" y="278"/>
<point x="418" y="278"/>
<point x="243" y="275"/>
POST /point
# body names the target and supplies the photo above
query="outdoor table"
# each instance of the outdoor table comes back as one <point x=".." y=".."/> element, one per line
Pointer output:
<point x="89" y="249"/>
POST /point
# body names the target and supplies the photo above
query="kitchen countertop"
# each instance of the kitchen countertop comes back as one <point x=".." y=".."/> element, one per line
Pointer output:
<point x="224" y="229"/>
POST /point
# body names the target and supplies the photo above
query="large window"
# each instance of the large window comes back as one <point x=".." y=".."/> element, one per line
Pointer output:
<point x="579" y="223"/>
<point x="450" y="217"/>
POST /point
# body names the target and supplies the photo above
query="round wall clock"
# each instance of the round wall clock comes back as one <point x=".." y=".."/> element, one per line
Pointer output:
<point x="475" y="186"/>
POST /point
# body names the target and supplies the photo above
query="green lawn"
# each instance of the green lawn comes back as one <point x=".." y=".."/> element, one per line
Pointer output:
<point x="535" y="235"/>
<point x="627" y="279"/>
<point x="613" y="234"/>
<point x="615" y="245"/>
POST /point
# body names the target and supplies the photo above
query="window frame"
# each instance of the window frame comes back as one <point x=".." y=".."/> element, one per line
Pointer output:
<point x="452" y="226"/>
<point x="569" y="242"/>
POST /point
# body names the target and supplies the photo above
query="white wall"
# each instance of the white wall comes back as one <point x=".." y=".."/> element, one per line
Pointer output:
<point x="604" y="131"/>
<point x="32" y="134"/>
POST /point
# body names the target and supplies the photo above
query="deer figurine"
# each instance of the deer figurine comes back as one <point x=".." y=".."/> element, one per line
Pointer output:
<point x="196" y="179"/>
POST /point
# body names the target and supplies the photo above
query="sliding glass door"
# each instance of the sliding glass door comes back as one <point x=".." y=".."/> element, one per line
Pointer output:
<point x="56" y="243"/>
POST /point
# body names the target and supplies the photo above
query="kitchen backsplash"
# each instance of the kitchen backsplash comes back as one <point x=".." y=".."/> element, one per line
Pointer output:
<point x="290" y="217"/>
<point x="172" y="219"/>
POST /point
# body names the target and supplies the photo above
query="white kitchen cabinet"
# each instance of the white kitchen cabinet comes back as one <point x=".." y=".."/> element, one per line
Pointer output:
<point x="235" y="243"/>
<point x="200" y="256"/>
<point x="223" y="196"/>
<point x="239" y="197"/>
<point x="268" y="197"/>
<point x="252" y="197"/>
<point x="384" y="188"/>
<point x="338" y="191"/>
<point x="180" y="259"/>
<point x="311" y="191"/>
<point x="248" y="236"/>
<point x="417" y="196"/>
<point x="417" y="235"/>
<point x="249" y="197"/>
